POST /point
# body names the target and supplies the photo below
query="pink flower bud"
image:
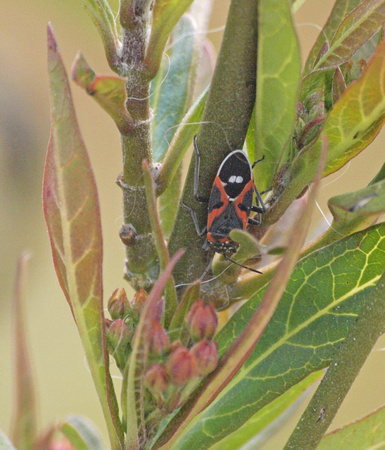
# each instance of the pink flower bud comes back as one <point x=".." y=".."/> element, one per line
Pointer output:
<point x="138" y="301"/>
<point x="118" y="339"/>
<point x="206" y="354"/>
<point x="159" y="340"/>
<point x="156" y="379"/>
<point x="118" y="305"/>
<point x="181" y="366"/>
<point x="118" y="333"/>
<point x="202" y="320"/>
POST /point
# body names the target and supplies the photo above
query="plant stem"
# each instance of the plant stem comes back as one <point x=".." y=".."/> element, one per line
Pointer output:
<point x="342" y="372"/>
<point x="137" y="146"/>
<point x="224" y="125"/>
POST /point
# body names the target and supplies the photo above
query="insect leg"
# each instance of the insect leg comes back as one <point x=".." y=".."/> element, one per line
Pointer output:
<point x="254" y="221"/>
<point x="207" y="268"/>
<point x="196" y="176"/>
<point x="258" y="209"/>
<point x="194" y="218"/>
<point x="256" y="162"/>
<point x="241" y="265"/>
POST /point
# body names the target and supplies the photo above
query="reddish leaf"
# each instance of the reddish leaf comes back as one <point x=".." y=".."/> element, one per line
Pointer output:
<point x="24" y="416"/>
<point x="353" y="32"/>
<point x="72" y="215"/>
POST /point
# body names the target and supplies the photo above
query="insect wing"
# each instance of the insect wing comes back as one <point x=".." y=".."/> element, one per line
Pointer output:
<point x="244" y="202"/>
<point x="217" y="203"/>
<point x="235" y="173"/>
<point x="236" y="176"/>
<point x="231" y="197"/>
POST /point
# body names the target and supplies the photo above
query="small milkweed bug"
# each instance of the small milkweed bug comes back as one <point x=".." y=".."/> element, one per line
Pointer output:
<point x="230" y="203"/>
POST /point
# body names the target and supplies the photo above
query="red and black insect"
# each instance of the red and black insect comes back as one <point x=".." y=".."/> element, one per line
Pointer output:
<point x="230" y="203"/>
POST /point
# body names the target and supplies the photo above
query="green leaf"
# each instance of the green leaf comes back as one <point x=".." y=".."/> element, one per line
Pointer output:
<point x="340" y="10"/>
<point x="71" y="210"/>
<point x="366" y="433"/>
<point x="354" y="31"/>
<point x="379" y="176"/>
<point x="161" y="247"/>
<point x="367" y="202"/>
<point x="169" y="203"/>
<point x="180" y="143"/>
<point x="100" y="9"/>
<point x="365" y="52"/>
<point x="322" y="299"/>
<point x="82" y="434"/>
<point x="103" y="18"/>
<point x="296" y="4"/>
<point x="352" y="211"/>
<point x="266" y="416"/>
<point x="5" y="443"/>
<point x="24" y="419"/>
<point x="345" y="367"/>
<point x="107" y="90"/>
<point x="278" y="78"/>
<point x="172" y="87"/>
<point x="357" y="117"/>
<point x="350" y="127"/>
<point x="165" y="16"/>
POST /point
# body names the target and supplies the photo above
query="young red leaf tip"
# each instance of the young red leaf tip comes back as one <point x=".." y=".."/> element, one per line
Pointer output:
<point x="51" y="41"/>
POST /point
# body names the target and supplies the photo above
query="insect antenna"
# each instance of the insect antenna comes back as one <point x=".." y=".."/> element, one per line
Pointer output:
<point x="240" y="265"/>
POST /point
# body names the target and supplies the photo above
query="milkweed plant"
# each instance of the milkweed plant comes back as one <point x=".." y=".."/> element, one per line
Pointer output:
<point x="211" y="353"/>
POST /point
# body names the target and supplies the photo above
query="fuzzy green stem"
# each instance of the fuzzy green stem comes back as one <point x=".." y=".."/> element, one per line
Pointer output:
<point x="224" y="125"/>
<point x="141" y="265"/>
<point x="342" y="372"/>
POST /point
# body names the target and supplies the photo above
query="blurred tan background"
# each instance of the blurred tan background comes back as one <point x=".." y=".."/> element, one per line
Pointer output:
<point x="64" y="385"/>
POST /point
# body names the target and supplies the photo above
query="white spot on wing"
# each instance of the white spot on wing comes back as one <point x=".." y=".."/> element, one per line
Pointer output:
<point x="236" y="179"/>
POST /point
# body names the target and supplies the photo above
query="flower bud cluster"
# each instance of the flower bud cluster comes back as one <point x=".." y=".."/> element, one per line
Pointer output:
<point x="169" y="379"/>
<point x="310" y="115"/>
<point x="120" y="330"/>
<point x="172" y="368"/>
